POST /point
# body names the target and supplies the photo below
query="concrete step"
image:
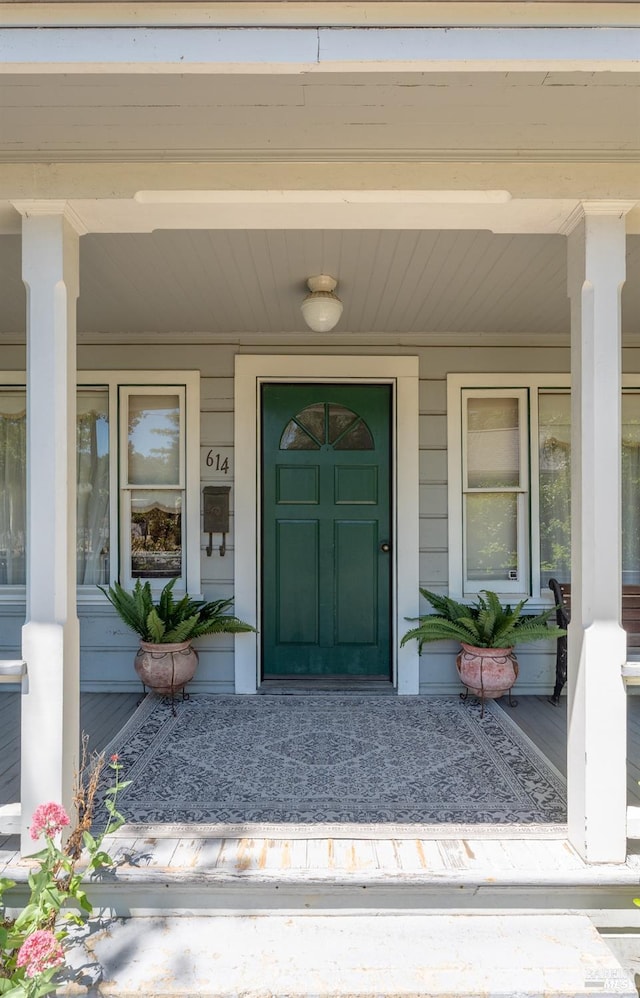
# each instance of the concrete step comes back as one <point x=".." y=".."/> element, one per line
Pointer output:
<point x="402" y="955"/>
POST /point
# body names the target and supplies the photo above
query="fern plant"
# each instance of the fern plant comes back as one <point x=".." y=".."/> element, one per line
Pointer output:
<point x="171" y="620"/>
<point x="483" y="624"/>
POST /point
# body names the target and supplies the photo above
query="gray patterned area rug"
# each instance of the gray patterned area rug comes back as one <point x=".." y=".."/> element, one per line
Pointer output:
<point x="384" y="765"/>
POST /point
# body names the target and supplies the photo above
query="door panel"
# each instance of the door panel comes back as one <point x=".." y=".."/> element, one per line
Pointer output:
<point x="297" y="485"/>
<point x="297" y="581"/>
<point x="326" y="581"/>
<point x="356" y="556"/>
<point x="356" y="485"/>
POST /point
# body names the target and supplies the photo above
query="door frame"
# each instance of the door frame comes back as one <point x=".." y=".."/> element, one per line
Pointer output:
<point x="402" y="374"/>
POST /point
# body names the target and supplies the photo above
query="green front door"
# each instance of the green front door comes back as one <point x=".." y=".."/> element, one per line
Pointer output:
<point x="326" y="530"/>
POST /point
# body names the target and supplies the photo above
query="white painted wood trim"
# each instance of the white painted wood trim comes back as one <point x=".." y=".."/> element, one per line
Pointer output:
<point x="153" y="206"/>
<point x="633" y="822"/>
<point x="454" y="484"/>
<point x="596" y="752"/>
<point x="192" y="497"/>
<point x="246" y="602"/>
<point x="12" y="670"/>
<point x="631" y="673"/>
<point x="407" y="511"/>
<point x="300" y="13"/>
<point x="293" y="50"/>
<point x="534" y="496"/>
<point x="10" y="816"/>
<point x="12" y="667"/>
<point x="402" y="374"/>
<point x="520" y="586"/>
<point x="50" y="704"/>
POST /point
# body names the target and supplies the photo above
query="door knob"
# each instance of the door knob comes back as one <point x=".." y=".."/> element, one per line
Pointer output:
<point x="385" y="547"/>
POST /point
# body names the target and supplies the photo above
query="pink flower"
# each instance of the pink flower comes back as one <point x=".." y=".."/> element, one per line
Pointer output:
<point x="115" y="757"/>
<point x="39" y="952"/>
<point x="48" y="819"/>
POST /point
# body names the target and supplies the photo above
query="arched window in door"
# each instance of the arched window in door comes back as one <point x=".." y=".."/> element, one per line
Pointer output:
<point x="326" y="424"/>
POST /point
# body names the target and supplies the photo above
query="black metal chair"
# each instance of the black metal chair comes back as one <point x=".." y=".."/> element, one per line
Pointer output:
<point x="563" y="616"/>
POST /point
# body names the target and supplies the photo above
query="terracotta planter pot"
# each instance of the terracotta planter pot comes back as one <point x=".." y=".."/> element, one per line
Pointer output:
<point x="487" y="672"/>
<point x="166" y="669"/>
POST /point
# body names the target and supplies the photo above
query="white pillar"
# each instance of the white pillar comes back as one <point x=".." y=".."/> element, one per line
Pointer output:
<point x="50" y="636"/>
<point x="596" y="763"/>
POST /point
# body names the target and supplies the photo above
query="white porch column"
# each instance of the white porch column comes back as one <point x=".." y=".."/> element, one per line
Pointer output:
<point x="596" y="764"/>
<point x="50" y="636"/>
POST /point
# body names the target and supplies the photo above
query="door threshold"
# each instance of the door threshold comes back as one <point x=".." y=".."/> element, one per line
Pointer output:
<point x="308" y="687"/>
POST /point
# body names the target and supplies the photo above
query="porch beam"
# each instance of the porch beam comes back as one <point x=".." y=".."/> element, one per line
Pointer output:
<point x="314" y="13"/>
<point x="50" y="636"/>
<point x="210" y="49"/>
<point x="596" y="757"/>
<point x="110" y="195"/>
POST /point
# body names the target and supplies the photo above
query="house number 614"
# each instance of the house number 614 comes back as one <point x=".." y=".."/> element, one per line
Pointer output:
<point x="217" y="462"/>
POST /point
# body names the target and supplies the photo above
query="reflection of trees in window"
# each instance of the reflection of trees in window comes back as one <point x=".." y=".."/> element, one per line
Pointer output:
<point x="154" y="440"/>
<point x="554" y="457"/>
<point x="326" y="423"/>
<point x="491" y="527"/>
<point x="93" y="488"/>
<point x="555" y="509"/>
<point x="555" y="486"/>
<point x="631" y="488"/>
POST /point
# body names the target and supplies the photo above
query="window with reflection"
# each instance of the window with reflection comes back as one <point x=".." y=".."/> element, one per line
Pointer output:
<point x="92" y="531"/>
<point x="326" y="424"/>
<point x="154" y="482"/>
<point x="554" y="463"/>
<point x="13" y="476"/>
<point x="495" y="489"/>
<point x="92" y="438"/>
<point x="512" y="498"/>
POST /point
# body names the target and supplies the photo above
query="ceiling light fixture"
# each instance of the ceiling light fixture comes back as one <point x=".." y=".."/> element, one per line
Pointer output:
<point x="322" y="308"/>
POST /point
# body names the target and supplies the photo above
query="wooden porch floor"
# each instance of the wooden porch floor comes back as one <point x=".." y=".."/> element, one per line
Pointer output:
<point x="101" y="717"/>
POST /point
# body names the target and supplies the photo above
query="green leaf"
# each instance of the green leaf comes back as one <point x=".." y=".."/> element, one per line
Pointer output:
<point x="182" y="631"/>
<point x="26" y="916"/>
<point x="83" y="901"/>
<point x="89" y="841"/>
<point x="155" y="628"/>
<point x="12" y="991"/>
<point x="166" y="600"/>
<point x="101" y="859"/>
<point x="224" y="624"/>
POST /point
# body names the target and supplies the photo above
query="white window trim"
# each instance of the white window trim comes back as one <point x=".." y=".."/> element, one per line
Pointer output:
<point x="521" y="491"/>
<point x="456" y="384"/>
<point x="113" y="379"/>
<point x="402" y="374"/>
<point x="127" y="488"/>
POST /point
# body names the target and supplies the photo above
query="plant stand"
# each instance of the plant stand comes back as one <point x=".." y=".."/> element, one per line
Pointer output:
<point x="172" y="697"/>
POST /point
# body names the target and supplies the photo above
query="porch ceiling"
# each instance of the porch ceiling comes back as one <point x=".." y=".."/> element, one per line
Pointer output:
<point x="251" y="282"/>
